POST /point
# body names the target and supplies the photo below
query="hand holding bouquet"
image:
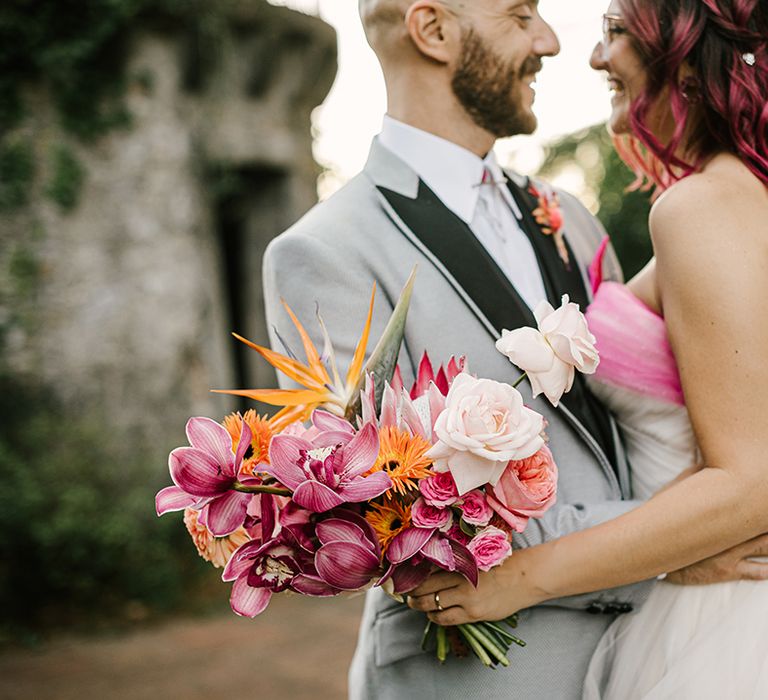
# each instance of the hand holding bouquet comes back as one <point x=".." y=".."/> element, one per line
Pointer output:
<point x="383" y="485"/>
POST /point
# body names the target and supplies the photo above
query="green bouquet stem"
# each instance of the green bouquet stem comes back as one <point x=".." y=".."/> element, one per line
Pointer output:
<point x="442" y="644"/>
<point x="489" y="641"/>
<point x="476" y="645"/>
<point x="274" y="490"/>
<point x="520" y="380"/>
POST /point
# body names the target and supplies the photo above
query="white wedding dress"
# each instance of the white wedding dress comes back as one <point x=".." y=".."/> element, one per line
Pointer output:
<point x="685" y="642"/>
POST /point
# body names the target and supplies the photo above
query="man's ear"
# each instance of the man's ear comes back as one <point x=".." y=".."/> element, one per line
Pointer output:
<point x="434" y="30"/>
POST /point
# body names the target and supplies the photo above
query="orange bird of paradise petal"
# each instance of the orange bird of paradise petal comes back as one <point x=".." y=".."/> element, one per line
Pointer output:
<point x="319" y="389"/>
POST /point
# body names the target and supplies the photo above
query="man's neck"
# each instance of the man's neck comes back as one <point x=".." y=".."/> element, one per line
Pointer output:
<point x="451" y="125"/>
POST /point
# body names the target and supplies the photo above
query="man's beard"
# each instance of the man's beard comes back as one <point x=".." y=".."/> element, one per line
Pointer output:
<point x="489" y="89"/>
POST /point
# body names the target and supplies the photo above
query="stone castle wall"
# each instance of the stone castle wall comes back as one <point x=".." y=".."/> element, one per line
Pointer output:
<point x="123" y="306"/>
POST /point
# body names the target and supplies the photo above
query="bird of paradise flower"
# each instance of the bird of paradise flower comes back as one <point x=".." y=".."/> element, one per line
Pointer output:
<point x="322" y="386"/>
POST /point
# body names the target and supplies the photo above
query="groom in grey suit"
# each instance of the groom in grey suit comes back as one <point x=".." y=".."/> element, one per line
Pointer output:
<point x="458" y="76"/>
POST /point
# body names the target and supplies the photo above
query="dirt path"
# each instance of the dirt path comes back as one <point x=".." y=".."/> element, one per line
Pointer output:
<point x="299" y="649"/>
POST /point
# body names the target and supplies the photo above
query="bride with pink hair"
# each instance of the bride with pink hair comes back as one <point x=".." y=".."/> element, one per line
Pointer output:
<point x="683" y="366"/>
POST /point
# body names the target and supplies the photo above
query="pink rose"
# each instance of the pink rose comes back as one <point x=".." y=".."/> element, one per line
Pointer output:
<point x="483" y="426"/>
<point x="475" y="509"/>
<point x="490" y="547"/>
<point x="526" y="489"/>
<point x="552" y="354"/>
<point x="425" y="515"/>
<point x="439" y="490"/>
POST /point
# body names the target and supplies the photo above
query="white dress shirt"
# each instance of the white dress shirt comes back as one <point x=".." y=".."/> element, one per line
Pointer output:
<point x="455" y="174"/>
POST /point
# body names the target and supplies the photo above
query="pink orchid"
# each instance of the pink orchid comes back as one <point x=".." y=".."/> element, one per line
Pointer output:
<point x="414" y="551"/>
<point x="204" y="475"/>
<point x="349" y="554"/>
<point x="327" y="471"/>
<point x="346" y="560"/>
<point x="261" y="569"/>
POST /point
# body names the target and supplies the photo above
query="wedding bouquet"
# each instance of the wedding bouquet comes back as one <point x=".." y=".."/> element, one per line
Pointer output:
<point x="366" y="483"/>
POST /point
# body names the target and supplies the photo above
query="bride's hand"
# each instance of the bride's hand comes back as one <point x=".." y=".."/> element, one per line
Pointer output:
<point x="449" y="599"/>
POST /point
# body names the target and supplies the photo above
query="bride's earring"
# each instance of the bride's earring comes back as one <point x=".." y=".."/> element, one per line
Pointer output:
<point x="691" y="89"/>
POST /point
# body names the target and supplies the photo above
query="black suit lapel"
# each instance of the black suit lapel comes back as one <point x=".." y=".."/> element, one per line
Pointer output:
<point x="560" y="279"/>
<point x="452" y="242"/>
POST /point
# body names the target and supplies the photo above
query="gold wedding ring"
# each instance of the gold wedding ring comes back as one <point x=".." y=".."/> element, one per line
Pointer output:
<point x="437" y="602"/>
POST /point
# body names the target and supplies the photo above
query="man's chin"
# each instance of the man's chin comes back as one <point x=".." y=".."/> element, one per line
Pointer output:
<point x="524" y="125"/>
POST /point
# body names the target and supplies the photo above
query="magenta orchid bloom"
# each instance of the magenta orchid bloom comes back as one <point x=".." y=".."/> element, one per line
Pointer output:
<point x="204" y="475"/>
<point x="414" y="552"/>
<point x="346" y="560"/>
<point x="326" y="471"/>
<point x="349" y="556"/>
<point x="260" y="569"/>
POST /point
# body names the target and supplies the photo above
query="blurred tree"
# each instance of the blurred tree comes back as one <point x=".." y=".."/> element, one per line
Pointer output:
<point x="624" y="214"/>
<point x="76" y="50"/>
<point x="79" y="538"/>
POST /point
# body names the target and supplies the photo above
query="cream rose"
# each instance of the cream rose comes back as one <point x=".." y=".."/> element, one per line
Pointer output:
<point x="552" y="354"/>
<point x="484" y="425"/>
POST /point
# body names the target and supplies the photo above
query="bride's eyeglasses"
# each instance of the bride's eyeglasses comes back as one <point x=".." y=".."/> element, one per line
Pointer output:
<point x="612" y="27"/>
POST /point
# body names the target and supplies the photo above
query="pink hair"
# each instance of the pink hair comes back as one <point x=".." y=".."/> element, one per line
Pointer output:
<point x="728" y="110"/>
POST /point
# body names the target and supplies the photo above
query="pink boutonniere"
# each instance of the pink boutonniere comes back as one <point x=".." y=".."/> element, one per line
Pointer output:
<point x="549" y="217"/>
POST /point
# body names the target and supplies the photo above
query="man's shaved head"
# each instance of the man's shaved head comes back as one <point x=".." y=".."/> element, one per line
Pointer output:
<point x="384" y="23"/>
<point x="468" y="65"/>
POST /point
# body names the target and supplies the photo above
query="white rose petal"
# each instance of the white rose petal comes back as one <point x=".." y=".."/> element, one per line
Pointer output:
<point x="551" y="354"/>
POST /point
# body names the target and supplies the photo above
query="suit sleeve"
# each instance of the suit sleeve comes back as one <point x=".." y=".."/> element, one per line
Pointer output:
<point x="313" y="277"/>
<point x="565" y="518"/>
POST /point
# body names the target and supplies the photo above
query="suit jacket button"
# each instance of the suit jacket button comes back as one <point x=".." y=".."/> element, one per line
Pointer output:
<point x="595" y="608"/>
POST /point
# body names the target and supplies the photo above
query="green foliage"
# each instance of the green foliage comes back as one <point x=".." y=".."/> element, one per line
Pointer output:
<point x="67" y="178"/>
<point x="17" y="172"/>
<point x="624" y="214"/>
<point x="75" y="46"/>
<point x="76" y="49"/>
<point x="24" y="271"/>
<point x="78" y="533"/>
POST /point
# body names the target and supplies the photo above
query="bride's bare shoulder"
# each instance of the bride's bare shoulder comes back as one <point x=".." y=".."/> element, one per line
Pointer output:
<point x="723" y="207"/>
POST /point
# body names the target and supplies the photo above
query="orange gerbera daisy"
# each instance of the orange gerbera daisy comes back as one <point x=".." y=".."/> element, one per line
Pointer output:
<point x="263" y="430"/>
<point x="388" y="520"/>
<point x="403" y="457"/>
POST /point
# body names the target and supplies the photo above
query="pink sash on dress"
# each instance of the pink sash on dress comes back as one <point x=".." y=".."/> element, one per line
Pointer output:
<point x="632" y="340"/>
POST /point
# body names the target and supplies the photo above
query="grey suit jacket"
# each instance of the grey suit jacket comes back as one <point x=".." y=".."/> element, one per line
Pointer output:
<point x="332" y="257"/>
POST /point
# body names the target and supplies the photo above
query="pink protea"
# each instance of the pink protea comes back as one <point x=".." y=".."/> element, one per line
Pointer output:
<point x="442" y="378"/>
<point x="416" y="409"/>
